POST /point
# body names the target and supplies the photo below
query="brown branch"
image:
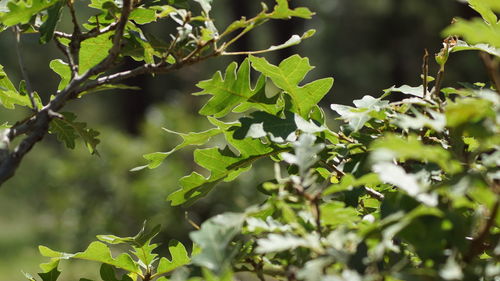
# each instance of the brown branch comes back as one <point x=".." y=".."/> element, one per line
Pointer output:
<point x="425" y="71"/>
<point x="478" y="244"/>
<point x="492" y="67"/>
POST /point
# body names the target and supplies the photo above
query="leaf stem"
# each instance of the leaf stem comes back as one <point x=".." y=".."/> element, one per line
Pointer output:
<point x="24" y="72"/>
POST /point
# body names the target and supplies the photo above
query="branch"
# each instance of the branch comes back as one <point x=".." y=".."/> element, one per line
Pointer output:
<point x="492" y="67"/>
<point x="478" y="244"/>
<point x="24" y="72"/>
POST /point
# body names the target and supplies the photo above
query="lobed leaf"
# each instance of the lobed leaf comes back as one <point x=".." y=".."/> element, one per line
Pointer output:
<point x="49" y="25"/>
<point x="179" y="257"/>
<point x="96" y="251"/>
<point x="229" y="91"/>
<point x="214" y="238"/>
<point x="21" y="11"/>
<point x="288" y="75"/>
<point x="67" y="131"/>
<point x="9" y="96"/>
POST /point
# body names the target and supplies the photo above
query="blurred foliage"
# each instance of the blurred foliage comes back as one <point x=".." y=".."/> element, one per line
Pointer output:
<point x="64" y="198"/>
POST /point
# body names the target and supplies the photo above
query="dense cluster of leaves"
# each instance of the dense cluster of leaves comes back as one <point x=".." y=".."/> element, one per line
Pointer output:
<point x="407" y="188"/>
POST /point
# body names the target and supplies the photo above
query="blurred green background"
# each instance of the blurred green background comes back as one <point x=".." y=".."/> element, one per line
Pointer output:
<point x="63" y="198"/>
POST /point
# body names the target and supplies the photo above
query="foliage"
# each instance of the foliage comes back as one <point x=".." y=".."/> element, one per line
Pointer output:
<point x="405" y="189"/>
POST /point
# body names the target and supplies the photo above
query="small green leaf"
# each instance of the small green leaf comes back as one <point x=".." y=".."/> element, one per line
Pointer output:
<point x="99" y="252"/>
<point x="9" y="96"/>
<point x="63" y="70"/>
<point x="282" y="11"/>
<point x="67" y="130"/>
<point x="155" y="159"/>
<point x="359" y="115"/>
<point x="179" y="258"/>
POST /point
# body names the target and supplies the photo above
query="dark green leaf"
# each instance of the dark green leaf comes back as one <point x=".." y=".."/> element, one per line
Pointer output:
<point x="49" y="25"/>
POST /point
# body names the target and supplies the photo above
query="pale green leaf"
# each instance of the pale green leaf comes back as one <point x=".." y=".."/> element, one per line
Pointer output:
<point x="284" y="242"/>
<point x="358" y="116"/>
<point x="21" y="11"/>
<point x="214" y="238"/>
<point x="463" y="46"/>
<point x="391" y="146"/>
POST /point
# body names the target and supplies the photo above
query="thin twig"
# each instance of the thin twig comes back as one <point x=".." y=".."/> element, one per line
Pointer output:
<point x="425" y="71"/>
<point x="24" y="72"/>
<point x="65" y="50"/>
<point x="478" y="245"/>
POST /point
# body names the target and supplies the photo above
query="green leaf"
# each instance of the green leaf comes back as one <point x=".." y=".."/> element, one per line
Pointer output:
<point x="93" y="51"/>
<point x="143" y="15"/>
<point x="155" y="159"/>
<point x="67" y="130"/>
<point x="49" y="25"/>
<point x="437" y="122"/>
<point x="348" y="182"/>
<point x="336" y="213"/>
<point x="468" y="110"/>
<point x="483" y="7"/>
<point x="359" y="115"/>
<point x="223" y="164"/>
<point x="288" y="74"/>
<point x="463" y="46"/>
<point x="99" y="252"/>
<point x="397" y="176"/>
<point x="214" y="238"/>
<point x="282" y="11"/>
<point x="51" y="275"/>
<point x="9" y="96"/>
<point x="306" y="153"/>
<point x="21" y="11"/>
<point x="107" y="273"/>
<point x="229" y="91"/>
<point x="393" y="146"/>
<point x="96" y="251"/>
<point x="283" y="242"/>
<point x="179" y="258"/>
<point x="63" y="70"/>
<point x="408" y="90"/>
<point x="261" y="124"/>
<point x="475" y="31"/>
<point x="206" y="5"/>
